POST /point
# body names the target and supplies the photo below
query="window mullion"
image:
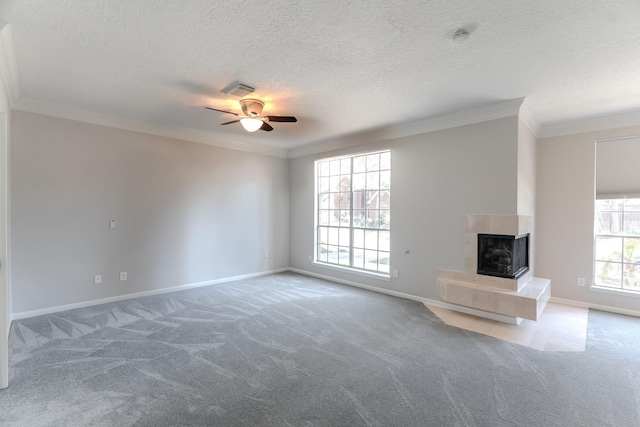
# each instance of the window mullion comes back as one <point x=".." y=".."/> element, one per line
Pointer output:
<point x="351" y="236"/>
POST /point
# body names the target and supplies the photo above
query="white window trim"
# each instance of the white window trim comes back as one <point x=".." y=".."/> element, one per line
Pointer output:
<point x="614" y="291"/>
<point x="356" y="271"/>
<point x="337" y="267"/>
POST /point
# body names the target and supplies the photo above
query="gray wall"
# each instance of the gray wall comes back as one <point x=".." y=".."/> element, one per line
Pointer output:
<point x="565" y="214"/>
<point x="437" y="178"/>
<point x="186" y="212"/>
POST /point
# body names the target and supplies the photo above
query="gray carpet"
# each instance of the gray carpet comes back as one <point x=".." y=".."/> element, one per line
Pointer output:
<point x="289" y="350"/>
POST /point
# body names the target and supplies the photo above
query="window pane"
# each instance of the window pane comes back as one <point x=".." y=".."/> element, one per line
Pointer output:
<point x="323" y="217"/>
<point x="371" y="199"/>
<point x="345" y="183"/>
<point x="385" y="179"/>
<point x="371" y="260"/>
<point x="331" y="197"/>
<point x="385" y="219"/>
<point x="358" y="238"/>
<point x="384" y="243"/>
<point x="323" y="235"/>
<point x="322" y="253"/>
<point x="608" y="274"/>
<point x="345" y="237"/>
<point x="333" y="236"/>
<point x="359" y="164"/>
<point x="385" y="160"/>
<point x="632" y="223"/>
<point x="372" y="218"/>
<point x="358" y="258"/>
<point x="343" y="256"/>
<point x="373" y="162"/>
<point x="609" y="248"/>
<point x="323" y="201"/>
<point x="608" y="222"/>
<point x="359" y="180"/>
<point x="334" y="215"/>
<point x="359" y="199"/>
<point x="383" y="262"/>
<point x="609" y="204"/>
<point x="632" y="277"/>
<point x="373" y="180"/>
<point x="345" y="166"/>
<point x="631" y="250"/>
<point x="359" y="218"/>
<point x="334" y="183"/>
<point x="371" y="239"/>
<point x="333" y="255"/>
<point x="632" y="205"/>
<point x="345" y="220"/>
<point x="345" y="200"/>
<point x="324" y="168"/>
<point x="385" y="200"/>
<point x="324" y="185"/>
<point x="334" y="167"/>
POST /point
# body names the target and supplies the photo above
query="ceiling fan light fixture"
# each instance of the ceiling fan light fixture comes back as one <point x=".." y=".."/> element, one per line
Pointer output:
<point x="251" y="125"/>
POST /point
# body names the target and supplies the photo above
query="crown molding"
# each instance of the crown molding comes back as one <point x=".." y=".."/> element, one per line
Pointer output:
<point x="202" y="137"/>
<point x="528" y="117"/>
<point x="591" y="124"/>
<point x="8" y="64"/>
<point x="470" y="116"/>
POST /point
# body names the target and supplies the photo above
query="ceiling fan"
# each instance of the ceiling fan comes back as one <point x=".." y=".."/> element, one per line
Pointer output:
<point x="251" y="118"/>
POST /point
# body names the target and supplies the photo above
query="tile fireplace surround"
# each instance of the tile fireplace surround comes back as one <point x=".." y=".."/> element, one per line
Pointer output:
<point x="498" y="298"/>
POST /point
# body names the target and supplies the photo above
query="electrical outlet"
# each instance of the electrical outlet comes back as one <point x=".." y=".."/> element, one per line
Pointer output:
<point x="112" y="223"/>
<point x="396" y="274"/>
<point x="123" y="276"/>
<point x="310" y="258"/>
<point x="581" y="281"/>
<point x="266" y="254"/>
<point x="97" y="279"/>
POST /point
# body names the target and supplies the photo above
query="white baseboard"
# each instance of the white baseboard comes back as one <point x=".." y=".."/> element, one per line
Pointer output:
<point x="600" y="307"/>
<point x="360" y="285"/>
<point x="56" y="309"/>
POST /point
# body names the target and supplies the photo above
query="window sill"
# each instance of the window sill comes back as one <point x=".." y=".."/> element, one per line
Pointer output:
<point x="379" y="276"/>
<point x="620" y="292"/>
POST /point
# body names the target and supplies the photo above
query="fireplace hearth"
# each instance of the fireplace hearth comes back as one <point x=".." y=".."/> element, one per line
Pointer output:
<point x="503" y="256"/>
<point x="497" y="282"/>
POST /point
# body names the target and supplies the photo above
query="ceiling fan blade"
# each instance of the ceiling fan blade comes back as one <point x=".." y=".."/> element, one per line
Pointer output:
<point x="290" y="119"/>
<point x="228" y="123"/>
<point x="266" y="126"/>
<point x="222" y="111"/>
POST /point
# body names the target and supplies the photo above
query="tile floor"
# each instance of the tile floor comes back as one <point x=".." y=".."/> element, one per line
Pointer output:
<point x="560" y="328"/>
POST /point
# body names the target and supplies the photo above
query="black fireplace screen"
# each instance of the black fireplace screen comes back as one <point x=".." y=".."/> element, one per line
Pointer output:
<point x="503" y="256"/>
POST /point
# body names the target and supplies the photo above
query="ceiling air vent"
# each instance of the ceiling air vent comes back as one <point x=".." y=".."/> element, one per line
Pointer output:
<point x="238" y="89"/>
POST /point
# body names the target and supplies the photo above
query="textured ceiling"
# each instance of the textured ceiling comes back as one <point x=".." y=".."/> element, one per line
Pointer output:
<point x="341" y="67"/>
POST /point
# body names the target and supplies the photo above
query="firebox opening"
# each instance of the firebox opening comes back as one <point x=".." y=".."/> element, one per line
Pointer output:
<point x="503" y="256"/>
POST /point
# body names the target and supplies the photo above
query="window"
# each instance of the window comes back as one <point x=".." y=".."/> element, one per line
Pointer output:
<point x="353" y="217"/>
<point x="617" y="244"/>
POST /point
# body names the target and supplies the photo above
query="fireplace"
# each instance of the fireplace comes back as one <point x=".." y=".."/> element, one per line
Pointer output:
<point x="503" y="256"/>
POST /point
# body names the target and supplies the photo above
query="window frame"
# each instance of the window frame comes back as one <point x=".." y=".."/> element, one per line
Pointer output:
<point x="622" y="235"/>
<point x="383" y="223"/>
